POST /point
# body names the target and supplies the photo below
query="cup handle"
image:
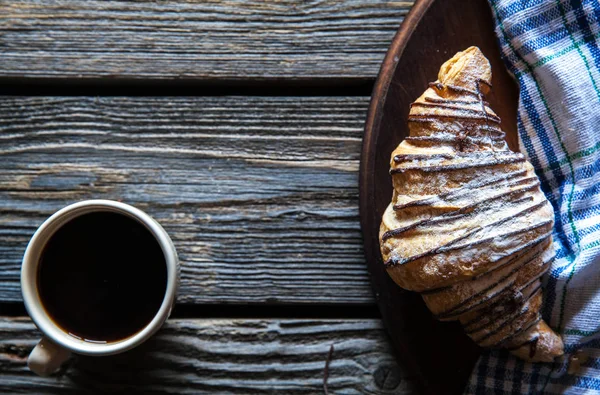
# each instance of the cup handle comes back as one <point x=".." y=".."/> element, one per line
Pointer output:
<point x="47" y="357"/>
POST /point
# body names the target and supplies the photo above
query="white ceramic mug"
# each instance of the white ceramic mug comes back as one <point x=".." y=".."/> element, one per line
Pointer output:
<point x="56" y="345"/>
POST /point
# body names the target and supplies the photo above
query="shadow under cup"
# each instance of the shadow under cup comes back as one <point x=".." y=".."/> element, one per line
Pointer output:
<point x="99" y="277"/>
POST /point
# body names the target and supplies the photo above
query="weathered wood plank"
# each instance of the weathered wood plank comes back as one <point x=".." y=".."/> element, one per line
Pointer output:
<point x="204" y="40"/>
<point x="220" y="356"/>
<point x="258" y="193"/>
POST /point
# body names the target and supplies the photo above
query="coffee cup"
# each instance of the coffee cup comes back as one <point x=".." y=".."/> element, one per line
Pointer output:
<point x="99" y="277"/>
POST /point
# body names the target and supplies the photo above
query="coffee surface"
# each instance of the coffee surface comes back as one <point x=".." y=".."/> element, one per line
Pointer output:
<point x="102" y="277"/>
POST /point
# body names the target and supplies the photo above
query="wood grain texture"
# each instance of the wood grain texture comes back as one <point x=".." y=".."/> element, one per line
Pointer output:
<point x="204" y="40"/>
<point x="259" y="194"/>
<point x="219" y="356"/>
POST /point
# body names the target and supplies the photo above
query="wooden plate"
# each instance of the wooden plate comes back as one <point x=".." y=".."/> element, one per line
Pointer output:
<point x="439" y="355"/>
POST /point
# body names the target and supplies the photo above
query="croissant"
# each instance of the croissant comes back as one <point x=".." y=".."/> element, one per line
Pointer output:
<point x="468" y="226"/>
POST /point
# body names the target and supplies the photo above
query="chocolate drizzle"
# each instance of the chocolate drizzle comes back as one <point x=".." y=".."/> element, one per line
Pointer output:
<point x="522" y="315"/>
<point x="506" y="309"/>
<point x="476" y="322"/>
<point x="411" y="157"/>
<point x="524" y="326"/>
<point x="451" y="101"/>
<point x="534" y="340"/>
<point x="446" y="139"/>
<point x="519" y="253"/>
<point x="532" y="343"/>
<point x="440" y="87"/>
<point x="468" y="189"/>
<point x="461" y="166"/>
<point x="457" y="310"/>
<point x="490" y="129"/>
<point x="469" y="227"/>
<point x="500" y="236"/>
<point x="460" y="213"/>
<point x="500" y="296"/>
<point x="434" y="117"/>
<point x="533" y="347"/>
<point x="449" y="246"/>
<point x="458" y="108"/>
<point x="519" y="331"/>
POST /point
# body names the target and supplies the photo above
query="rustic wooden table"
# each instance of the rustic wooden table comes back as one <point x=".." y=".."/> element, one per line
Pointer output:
<point x="237" y="125"/>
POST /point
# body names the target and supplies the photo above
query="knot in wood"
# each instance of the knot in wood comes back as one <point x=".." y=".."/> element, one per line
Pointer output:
<point x="387" y="377"/>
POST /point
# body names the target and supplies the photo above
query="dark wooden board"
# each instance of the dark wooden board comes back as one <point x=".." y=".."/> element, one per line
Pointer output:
<point x="219" y="356"/>
<point x="438" y="353"/>
<point x="260" y="194"/>
<point x="197" y="41"/>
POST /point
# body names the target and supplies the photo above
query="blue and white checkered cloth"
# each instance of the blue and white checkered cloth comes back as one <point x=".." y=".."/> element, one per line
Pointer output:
<point x="553" y="49"/>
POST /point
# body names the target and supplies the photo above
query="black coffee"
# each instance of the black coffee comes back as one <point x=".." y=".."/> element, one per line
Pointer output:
<point x="102" y="277"/>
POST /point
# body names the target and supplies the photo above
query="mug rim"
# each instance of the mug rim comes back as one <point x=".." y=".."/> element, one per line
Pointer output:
<point x="29" y="273"/>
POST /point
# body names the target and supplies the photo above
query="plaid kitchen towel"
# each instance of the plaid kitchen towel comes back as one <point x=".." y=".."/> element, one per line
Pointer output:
<point x="553" y="49"/>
